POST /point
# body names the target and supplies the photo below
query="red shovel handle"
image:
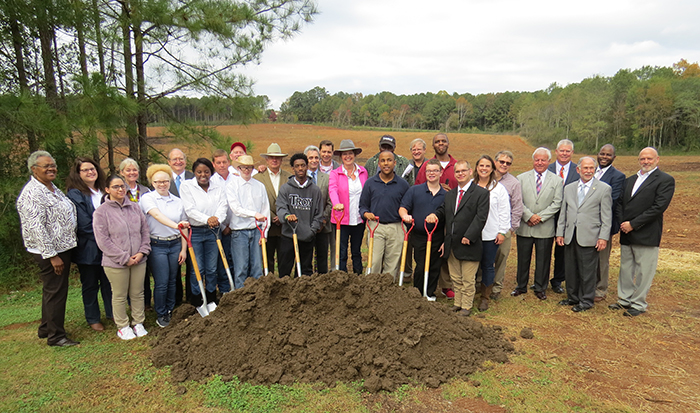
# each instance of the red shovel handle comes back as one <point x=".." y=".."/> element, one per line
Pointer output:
<point x="337" y="220"/>
<point x="261" y="228"/>
<point x="405" y="233"/>
<point x="371" y="231"/>
<point x="430" y="233"/>
<point x="188" y="239"/>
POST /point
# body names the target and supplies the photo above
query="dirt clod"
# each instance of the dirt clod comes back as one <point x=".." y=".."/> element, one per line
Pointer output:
<point x="327" y="328"/>
<point x="526" y="333"/>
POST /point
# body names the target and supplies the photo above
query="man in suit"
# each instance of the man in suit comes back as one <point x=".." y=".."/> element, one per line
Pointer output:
<point x="583" y="229"/>
<point x="542" y="193"/>
<point x="566" y="170"/>
<point x="646" y="196"/>
<point x="273" y="178"/>
<point x="616" y="179"/>
<point x="178" y="162"/>
<point x="464" y="212"/>
<point x="322" y="238"/>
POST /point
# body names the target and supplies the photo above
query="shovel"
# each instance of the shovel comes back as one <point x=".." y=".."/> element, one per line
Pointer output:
<point x="223" y="255"/>
<point x="404" y="249"/>
<point x="337" y="237"/>
<point x="263" y="244"/>
<point x="427" y="256"/>
<point x="205" y="308"/>
<point x="371" y="243"/>
<point x="297" y="260"/>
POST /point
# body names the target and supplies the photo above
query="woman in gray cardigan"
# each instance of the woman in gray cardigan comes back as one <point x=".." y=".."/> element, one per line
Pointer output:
<point x="122" y="234"/>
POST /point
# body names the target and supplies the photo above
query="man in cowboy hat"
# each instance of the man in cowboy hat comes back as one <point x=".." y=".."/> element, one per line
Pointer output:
<point x="273" y="178"/>
<point x="247" y="200"/>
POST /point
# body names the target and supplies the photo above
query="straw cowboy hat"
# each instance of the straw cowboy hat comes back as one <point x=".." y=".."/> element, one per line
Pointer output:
<point x="243" y="160"/>
<point x="273" y="150"/>
<point x="347" y="145"/>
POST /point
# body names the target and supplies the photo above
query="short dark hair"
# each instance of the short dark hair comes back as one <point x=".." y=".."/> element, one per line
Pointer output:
<point x="298" y="156"/>
<point x="326" y="142"/>
<point x="203" y="161"/>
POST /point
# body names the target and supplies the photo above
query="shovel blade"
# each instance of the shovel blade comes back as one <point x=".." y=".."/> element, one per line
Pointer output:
<point x="211" y="307"/>
<point x="203" y="311"/>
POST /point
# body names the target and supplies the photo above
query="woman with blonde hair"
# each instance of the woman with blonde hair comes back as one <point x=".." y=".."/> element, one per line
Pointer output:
<point x="164" y="212"/>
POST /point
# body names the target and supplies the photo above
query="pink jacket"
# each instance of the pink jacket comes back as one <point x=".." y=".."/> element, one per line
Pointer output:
<point x="339" y="192"/>
<point x="120" y="231"/>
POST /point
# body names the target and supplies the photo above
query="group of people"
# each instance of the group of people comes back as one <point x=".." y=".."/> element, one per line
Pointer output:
<point x="118" y="231"/>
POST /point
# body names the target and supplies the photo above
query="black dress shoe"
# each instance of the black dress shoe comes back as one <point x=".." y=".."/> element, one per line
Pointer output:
<point x="618" y="306"/>
<point x="42" y="335"/>
<point x="532" y="287"/>
<point x="568" y="302"/>
<point x="517" y="292"/>
<point x="632" y="312"/>
<point x="578" y="308"/>
<point x="65" y="342"/>
<point x="541" y="295"/>
<point x="557" y="289"/>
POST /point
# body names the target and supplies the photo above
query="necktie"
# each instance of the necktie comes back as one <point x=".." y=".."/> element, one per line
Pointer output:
<point x="538" y="183"/>
<point x="459" y="200"/>
<point x="598" y="173"/>
<point x="581" y="194"/>
<point x="313" y="176"/>
<point x="561" y="173"/>
<point x="178" y="180"/>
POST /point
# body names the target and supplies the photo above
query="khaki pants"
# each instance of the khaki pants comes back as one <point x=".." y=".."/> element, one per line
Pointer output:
<point x="463" y="274"/>
<point x="501" y="259"/>
<point x="388" y="242"/>
<point x="125" y="282"/>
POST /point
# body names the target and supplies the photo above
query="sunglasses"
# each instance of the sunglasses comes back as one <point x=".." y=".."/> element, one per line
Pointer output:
<point x="502" y="162"/>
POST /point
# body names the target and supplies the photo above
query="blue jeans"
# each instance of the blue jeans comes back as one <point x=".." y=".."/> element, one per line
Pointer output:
<point x="351" y="234"/>
<point x="94" y="281"/>
<point x="488" y="262"/>
<point x="207" y="253"/>
<point x="247" y="255"/>
<point x="163" y="263"/>
<point x="220" y="269"/>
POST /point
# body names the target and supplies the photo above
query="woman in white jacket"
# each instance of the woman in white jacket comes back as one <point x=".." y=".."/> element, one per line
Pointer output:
<point x="497" y="224"/>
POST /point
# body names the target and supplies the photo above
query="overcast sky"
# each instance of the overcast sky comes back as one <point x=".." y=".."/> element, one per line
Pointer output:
<point x="474" y="46"/>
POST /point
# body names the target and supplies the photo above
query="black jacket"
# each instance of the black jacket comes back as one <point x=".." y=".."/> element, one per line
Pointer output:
<point x="467" y="222"/>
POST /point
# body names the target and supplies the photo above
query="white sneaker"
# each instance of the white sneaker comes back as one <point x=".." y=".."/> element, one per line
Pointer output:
<point x="431" y="298"/>
<point x="126" y="333"/>
<point x="139" y="330"/>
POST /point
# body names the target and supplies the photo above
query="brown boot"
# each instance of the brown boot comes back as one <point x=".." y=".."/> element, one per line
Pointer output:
<point x="485" y="295"/>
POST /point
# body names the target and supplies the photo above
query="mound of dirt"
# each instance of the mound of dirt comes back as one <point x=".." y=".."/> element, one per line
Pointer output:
<point x="327" y="328"/>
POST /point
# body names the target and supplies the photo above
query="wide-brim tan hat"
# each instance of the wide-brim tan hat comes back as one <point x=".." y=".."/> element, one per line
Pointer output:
<point x="345" y="146"/>
<point x="243" y="160"/>
<point x="273" y="150"/>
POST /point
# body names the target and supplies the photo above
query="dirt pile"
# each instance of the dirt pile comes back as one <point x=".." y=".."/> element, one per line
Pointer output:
<point x="327" y="328"/>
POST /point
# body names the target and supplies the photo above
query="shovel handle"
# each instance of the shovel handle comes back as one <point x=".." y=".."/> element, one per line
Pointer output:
<point x="406" y="233"/>
<point x="430" y="233"/>
<point x="188" y="239"/>
<point x="338" y="220"/>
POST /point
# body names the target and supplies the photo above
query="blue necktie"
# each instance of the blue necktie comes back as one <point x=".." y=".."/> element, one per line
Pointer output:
<point x="178" y="180"/>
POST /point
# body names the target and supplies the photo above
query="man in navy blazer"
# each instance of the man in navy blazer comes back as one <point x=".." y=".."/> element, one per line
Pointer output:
<point x="566" y="170"/>
<point x="616" y="179"/>
<point x="646" y="196"/>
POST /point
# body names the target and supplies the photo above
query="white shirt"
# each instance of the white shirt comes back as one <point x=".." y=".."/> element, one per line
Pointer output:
<point x="275" y="179"/>
<point x="200" y="205"/>
<point x="543" y="175"/>
<point x="641" y="177"/>
<point x="95" y="197"/>
<point x="586" y="186"/>
<point x="498" y="220"/>
<point x="245" y="198"/>
<point x="170" y="206"/>
<point x="566" y="169"/>
<point x="217" y="179"/>
<point x="462" y="189"/>
<point x="326" y="169"/>
<point x="354" y="194"/>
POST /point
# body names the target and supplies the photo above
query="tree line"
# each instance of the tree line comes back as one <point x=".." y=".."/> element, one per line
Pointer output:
<point x="649" y="106"/>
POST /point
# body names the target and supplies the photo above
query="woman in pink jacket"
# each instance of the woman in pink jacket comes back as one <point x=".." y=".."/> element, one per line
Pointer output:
<point x="122" y="233"/>
<point x="345" y="187"/>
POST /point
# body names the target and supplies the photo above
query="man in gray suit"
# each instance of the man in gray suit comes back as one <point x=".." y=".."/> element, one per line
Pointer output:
<point x="542" y="193"/>
<point x="584" y="230"/>
<point x="321" y="180"/>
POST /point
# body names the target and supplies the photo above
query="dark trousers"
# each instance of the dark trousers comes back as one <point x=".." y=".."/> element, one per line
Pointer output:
<point x="581" y="275"/>
<point x="53" y="297"/>
<point x="272" y="245"/>
<point x="226" y="245"/>
<point x="559" y="274"/>
<point x="543" y="259"/>
<point x="352" y="235"/>
<point x="147" y="293"/>
<point x="419" y="242"/>
<point x="178" y="282"/>
<point x="94" y="281"/>
<point x="321" y="252"/>
<point x="287" y="263"/>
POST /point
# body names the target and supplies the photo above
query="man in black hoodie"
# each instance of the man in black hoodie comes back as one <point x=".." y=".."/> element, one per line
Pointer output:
<point x="300" y="204"/>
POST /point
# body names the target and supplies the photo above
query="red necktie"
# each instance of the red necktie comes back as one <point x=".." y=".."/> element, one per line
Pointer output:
<point x="561" y="172"/>
<point x="459" y="201"/>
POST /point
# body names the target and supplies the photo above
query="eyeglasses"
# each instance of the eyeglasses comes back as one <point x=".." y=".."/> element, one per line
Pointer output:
<point x="88" y="170"/>
<point x="461" y="171"/>
<point x="47" y="166"/>
<point x="118" y="187"/>
<point x="428" y="171"/>
<point x="502" y="162"/>
<point x="161" y="182"/>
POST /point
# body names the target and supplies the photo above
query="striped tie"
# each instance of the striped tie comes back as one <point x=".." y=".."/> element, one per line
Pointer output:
<point x="538" y="183"/>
